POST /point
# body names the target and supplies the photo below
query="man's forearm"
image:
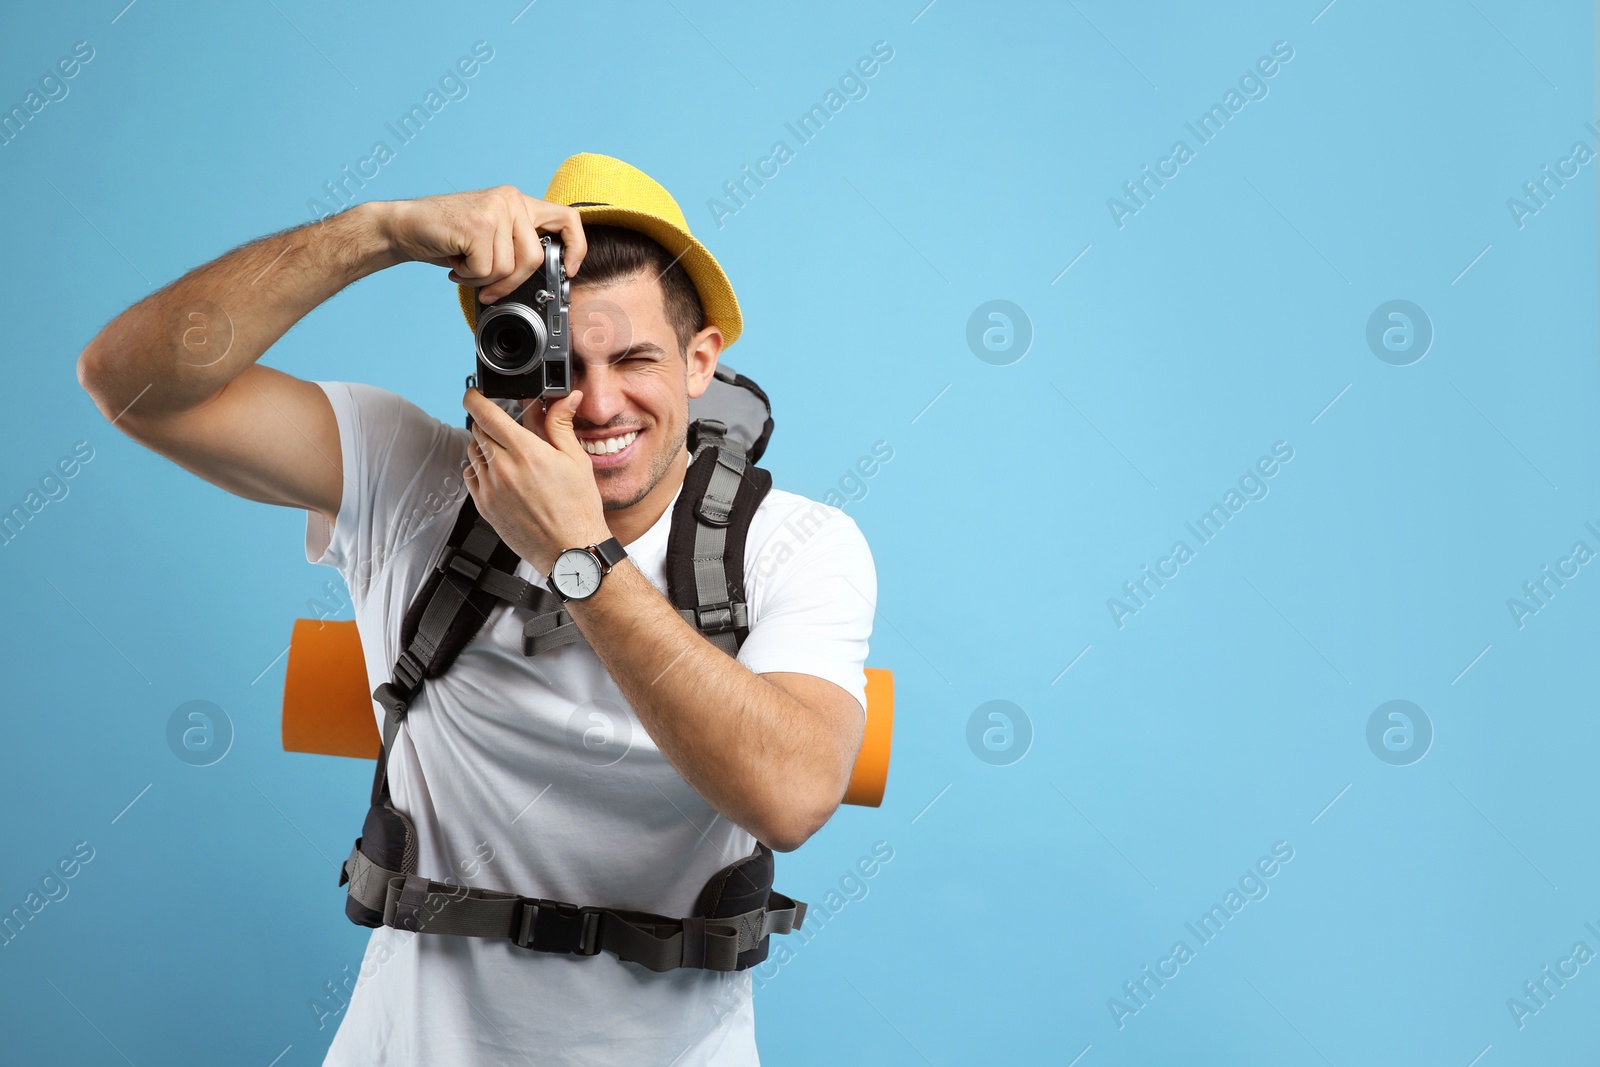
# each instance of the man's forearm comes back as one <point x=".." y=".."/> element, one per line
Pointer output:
<point x="165" y="350"/>
<point x="752" y="750"/>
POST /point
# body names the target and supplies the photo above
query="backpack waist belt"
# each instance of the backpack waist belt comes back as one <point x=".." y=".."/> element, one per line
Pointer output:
<point x="411" y="902"/>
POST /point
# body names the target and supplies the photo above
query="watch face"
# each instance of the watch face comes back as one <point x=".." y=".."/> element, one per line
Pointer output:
<point x="576" y="573"/>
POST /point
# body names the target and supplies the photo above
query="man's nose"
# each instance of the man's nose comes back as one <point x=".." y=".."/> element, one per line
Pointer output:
<point x="602" y="396"/>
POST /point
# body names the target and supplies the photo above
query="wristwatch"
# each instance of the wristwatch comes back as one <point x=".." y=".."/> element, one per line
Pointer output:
<point x="577" y="572"/>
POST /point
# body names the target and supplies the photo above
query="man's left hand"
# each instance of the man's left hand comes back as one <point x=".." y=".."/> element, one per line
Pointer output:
<point x="538" y="492"/>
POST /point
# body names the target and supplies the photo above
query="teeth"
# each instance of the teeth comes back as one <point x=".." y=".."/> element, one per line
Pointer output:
<point x="610" y="444"/>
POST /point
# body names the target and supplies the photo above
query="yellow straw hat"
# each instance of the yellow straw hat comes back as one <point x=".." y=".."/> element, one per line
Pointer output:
<point x="608" y="192"/>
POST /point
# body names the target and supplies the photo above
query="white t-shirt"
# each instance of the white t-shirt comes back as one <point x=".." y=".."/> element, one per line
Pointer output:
<point x="532" y="775"/>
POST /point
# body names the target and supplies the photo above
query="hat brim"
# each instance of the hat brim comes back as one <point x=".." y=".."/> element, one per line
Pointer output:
<point x="717" y="299"/>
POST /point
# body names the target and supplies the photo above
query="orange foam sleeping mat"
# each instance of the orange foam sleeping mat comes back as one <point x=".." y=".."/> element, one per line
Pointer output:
<point x="328" y="707"/>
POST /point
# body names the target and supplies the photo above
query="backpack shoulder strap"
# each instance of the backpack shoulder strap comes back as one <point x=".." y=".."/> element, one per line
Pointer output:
<point x="706" y="545"/>
<point x="474" y="573"/>
<point x="451" y="607"/>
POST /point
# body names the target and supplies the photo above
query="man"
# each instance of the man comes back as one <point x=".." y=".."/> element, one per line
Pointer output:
<point x="622" y="771"/>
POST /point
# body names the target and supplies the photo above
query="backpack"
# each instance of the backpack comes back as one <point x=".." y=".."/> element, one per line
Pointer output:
<point x="738" y="910"/>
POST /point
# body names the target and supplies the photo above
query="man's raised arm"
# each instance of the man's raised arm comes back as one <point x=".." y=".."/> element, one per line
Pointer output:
<point x="177" y="371"/>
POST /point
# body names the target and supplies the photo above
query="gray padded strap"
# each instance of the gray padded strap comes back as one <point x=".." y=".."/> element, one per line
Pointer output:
<point x="716" y="507"/>
<point x="710" y="576"/>
<point x="713" y="513"/>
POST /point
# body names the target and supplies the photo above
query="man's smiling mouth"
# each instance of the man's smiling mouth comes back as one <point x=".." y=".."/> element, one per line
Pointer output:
<point x="606" y="446"/>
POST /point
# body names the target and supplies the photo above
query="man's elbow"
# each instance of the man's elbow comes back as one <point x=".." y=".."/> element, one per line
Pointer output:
<point x="787" y="830"/>
<point x="781" y="839"/>
<point x="88" y="367"/>
<point x="93" y="378"/>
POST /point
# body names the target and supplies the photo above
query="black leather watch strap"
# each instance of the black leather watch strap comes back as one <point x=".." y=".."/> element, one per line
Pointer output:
<point x="610" y="552"/>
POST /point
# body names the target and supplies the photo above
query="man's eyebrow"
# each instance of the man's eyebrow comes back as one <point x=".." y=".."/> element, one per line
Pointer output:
<point x="649" y="348"/>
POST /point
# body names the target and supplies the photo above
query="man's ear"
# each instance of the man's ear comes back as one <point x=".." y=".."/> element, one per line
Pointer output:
<point x="705" y="348"/>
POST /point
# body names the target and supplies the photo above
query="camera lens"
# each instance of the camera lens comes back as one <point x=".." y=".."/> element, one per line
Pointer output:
<point x="511" y="338"/>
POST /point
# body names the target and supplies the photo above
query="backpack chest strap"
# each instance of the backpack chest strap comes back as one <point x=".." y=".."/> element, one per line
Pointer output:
<point x="705" y="553"/>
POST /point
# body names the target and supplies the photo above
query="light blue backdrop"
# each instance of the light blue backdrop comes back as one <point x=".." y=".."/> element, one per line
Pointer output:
<point x="1042" y="859"/>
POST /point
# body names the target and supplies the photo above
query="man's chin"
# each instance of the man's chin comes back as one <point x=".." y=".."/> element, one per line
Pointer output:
<point x="615" y="496"/>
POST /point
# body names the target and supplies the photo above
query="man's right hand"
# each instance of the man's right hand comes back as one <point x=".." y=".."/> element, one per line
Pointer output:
<point x="489" y="238"/>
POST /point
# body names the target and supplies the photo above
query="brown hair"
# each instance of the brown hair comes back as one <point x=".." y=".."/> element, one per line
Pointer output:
<point x="616" y="253"/>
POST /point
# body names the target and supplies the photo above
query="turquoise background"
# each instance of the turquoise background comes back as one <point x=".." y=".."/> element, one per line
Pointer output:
<point x="1228" y="314"/>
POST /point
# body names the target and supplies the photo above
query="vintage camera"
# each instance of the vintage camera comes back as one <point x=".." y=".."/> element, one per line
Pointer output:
<point x="524" y="341"/>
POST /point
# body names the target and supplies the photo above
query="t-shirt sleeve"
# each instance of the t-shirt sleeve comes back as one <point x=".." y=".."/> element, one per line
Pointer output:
<point x="815" y="591"/>
<point x="398" y="476"/>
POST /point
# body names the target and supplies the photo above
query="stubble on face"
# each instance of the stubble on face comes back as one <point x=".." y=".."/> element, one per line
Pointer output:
<point x="660" y="461"/>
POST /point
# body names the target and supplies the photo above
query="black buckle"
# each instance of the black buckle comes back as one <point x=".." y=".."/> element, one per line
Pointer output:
<point x="716" y="618"/>
<point x="550" y="926"/>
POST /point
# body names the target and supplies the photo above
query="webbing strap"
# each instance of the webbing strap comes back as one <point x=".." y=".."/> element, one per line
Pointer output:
<point x="380" y="776"/>
<point x="714" y="616"/>
<point x="508" y="587"/>
<point x="411" y="902"/>
<point x="551" y="626"/>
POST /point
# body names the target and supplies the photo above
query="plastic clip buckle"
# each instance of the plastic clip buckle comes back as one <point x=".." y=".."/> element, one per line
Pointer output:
<point x="716" y="618"/>
<point x="551" y="927"/>
<point x="705" y="432"/>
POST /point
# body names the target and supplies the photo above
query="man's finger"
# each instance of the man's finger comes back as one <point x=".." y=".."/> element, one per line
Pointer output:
<point x="575" y="245"/>
<point x="478" y="253"/>
<point x="558" y="423"/>
<point x="528" y="255"/>
<point x="505" y="258"/>
<point x="491" y="420"/>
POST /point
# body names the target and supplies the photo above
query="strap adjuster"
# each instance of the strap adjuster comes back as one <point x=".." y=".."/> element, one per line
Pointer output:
<point x="705" y="432"/>
<point x="395" y="696"/>
<point x="408" y="671"/>
<point x="550" y="926"/>
<point x="717" y="618"/>
<point x="454" y="560"/>
<point x="408" y="908"/>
